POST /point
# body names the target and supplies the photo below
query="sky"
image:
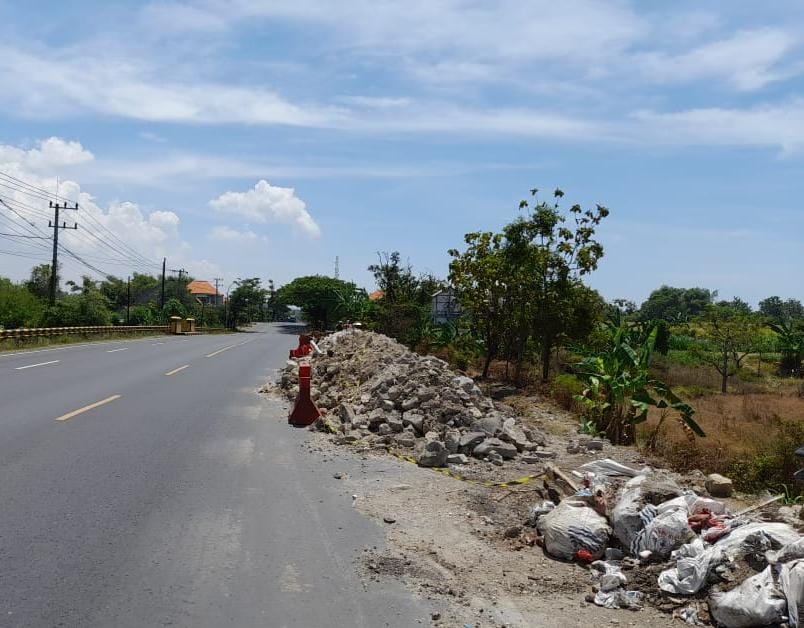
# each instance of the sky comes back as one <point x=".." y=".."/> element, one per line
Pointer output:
<point x="242" y="138"/>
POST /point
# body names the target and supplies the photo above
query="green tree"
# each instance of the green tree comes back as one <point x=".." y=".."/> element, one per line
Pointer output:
<point x="478" y="276"/>
<point x="778" y="310"/>
<point x="246" y="302"/>
<point x="318" y="297"/>
<point x="144" y="289"/>
<point x="18" y="307"/>
<point x="404" y="310"/>
<point x="728" y="337"/>
<point x="546" y="260"/>
<point x="38" y="283"/>
<point x="676" y="305"/>
<point x="790" y="335"/>
<point x="620" y="390"/>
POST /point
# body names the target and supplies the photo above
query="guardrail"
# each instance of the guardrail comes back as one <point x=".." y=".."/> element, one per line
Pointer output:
<point x="42" y="332"/>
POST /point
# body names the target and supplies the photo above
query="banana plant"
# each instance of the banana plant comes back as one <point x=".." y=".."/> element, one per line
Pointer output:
<point x="620" y="390"/>
<point x="791" y="343"/>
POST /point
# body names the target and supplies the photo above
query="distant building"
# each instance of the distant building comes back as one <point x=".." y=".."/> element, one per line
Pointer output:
<point x="376" y="295"/>
<point x="445" y="307"/>
<point x="203" y="292"/>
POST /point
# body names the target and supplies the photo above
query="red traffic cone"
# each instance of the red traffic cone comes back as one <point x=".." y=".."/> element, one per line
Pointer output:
<point x="304" y="410"/>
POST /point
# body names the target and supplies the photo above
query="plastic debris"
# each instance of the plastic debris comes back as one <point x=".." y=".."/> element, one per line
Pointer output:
<point x="756" y="602"/>
<point x="694" y="562"/>
<point x="791" y="580"/>
<point x="619" y="599"/>
<point x="572" y="528"/>
<point x="791" y="551"/>
<point x="607" y="467"/>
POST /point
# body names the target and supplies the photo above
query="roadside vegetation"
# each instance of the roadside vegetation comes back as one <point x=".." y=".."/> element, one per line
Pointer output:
<point x="703" y="383"/>
<point x="117" y="302"/>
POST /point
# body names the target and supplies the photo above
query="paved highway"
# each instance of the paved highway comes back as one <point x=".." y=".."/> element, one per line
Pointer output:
<point x="145" y="483"/>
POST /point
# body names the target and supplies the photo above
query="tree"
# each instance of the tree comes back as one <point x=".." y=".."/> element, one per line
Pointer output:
<point x="727" y="338"/>
<point x="676" y="305"/>
<point x="404" y="310"/>
<point x="245" y="303"/>
<point x="317" y="296"/>
<point x="778" y="310"/>
<point x="791" y="342"/>
<point x="18" y="307"/>
<point x="39" y="282"/>
<point x="547" y="260"/>
<point x="737" y="305"/>
<point x="620" y="390"/>
<point x="478" y="276"/>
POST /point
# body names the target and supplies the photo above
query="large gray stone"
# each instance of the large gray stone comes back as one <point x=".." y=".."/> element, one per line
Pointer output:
<point x="489" y="425"/>
<point x="506" y="450"/>
<point x="376" y="417"/>
<point x="415" y="420"/>
<point x="409" y="403"/>
<point x="395" y="424"/>
<point x="457" y="459"/>
<point x="434" y="454"/>
<point x="719" y="486"/>
<point x="452" y="441"/>
<point x="511" y="433"/>
<point x="346" y="413"/>
<point x="470" y="440"/>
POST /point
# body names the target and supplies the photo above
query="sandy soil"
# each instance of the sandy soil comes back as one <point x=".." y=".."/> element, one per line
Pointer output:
<point x="467" y="547"/>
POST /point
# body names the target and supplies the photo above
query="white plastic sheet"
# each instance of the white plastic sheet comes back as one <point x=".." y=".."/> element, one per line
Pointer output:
<point x="611" y="468"/>
<point x="791" y="579"/>
<point x="756" y="602"/>
<point x="694" y="562"/>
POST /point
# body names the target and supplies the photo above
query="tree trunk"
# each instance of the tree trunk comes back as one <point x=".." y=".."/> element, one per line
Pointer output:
<point x="725" y="373"/>
<point x="486" y="365"/>
<point x="545" y="360"/>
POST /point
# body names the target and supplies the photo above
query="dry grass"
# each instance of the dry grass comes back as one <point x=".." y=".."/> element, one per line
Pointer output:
<point x="750" y="437"/>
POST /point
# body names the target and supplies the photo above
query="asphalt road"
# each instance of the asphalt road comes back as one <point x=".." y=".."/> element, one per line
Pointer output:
<point x="181" y="499"/>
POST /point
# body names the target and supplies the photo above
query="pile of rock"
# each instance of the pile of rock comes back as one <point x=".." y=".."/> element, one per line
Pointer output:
<point x="373" y="389"/>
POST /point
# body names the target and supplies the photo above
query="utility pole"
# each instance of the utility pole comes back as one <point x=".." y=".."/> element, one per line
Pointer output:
<point x="217" y="280"/>
<point x="128" y="301"/>
<point x="54" y="280"/>
<point x="162" y="300"/>
<point x="337" y="267"/>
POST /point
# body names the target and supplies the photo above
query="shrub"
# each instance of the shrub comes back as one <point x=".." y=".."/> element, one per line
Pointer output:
<point x="563" y="389"/>
<point x="772" y="466"/>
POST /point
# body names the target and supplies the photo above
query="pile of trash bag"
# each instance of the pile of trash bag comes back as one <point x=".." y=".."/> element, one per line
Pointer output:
<point x="650" y="519"/>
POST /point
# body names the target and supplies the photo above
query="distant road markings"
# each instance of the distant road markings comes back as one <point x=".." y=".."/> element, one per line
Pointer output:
<point x="157" y="343"/>
<point x="115" y="350"/>
<point x="92" y="406"/>
<point x="214" y="353"/>
<point x="181" y="368"/>
<point x="30" y="366"/>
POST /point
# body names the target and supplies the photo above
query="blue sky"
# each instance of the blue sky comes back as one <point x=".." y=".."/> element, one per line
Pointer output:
<point x="248" y="138"/>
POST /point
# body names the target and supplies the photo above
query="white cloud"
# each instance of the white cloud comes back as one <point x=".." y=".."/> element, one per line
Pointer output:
<point x="748" y="60"/>
<point x="769" y="125"/>
<point x="63" y="84"/>
<point x="51" y="153"/>
<point x="232" y="235"/>
<point x="119" y="239"/>
<point x="268" y="203"/>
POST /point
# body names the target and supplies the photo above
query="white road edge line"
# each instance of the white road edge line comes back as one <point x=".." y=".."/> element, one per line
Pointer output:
<point x="116" y="350"/>
<point x="181" y="368"/>
<point x="30" y="366"/>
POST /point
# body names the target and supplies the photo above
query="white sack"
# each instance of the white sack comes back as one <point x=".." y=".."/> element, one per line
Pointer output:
<point x="573" y="526"/>
<point x="756" y="602"/>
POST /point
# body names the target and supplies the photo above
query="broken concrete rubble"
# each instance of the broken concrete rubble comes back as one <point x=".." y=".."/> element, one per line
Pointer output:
<point x="375" y="385"/>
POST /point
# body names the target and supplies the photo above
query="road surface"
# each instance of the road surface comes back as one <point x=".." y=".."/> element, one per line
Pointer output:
<point x="145" y="483"/>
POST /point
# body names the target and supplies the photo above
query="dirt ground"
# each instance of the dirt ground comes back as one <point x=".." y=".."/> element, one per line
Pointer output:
<point x="468" y="547"/>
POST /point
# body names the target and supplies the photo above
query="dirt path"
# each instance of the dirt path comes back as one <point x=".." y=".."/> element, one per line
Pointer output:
<point x="447" y="542"/>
